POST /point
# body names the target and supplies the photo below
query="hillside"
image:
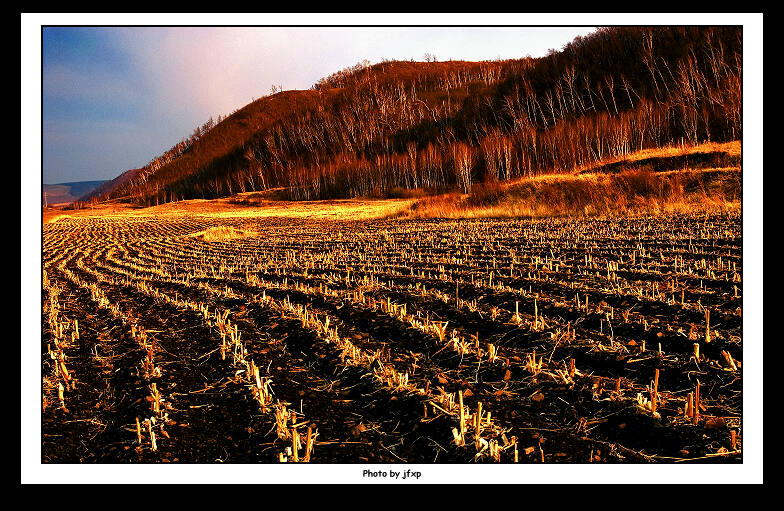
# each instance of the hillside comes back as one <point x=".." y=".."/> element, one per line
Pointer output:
<point x="682" y="179"/>
<point x="386" y="129"/>
<point x="109" y="186"/>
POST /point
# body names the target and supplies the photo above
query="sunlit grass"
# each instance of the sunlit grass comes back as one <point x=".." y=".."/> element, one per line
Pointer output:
<point x="632" y="191"/>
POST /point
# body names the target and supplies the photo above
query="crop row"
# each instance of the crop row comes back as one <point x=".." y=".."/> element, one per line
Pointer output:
<point x="412" y="340"/>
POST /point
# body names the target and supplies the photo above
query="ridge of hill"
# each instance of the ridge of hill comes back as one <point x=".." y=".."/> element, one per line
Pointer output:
<point x="373" y="130"/>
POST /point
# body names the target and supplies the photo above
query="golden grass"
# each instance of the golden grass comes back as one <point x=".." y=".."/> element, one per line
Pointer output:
<point x="595" y="195"/>
<point x="52" y="216"/>
<point x="233" y="207"/>
<point x="584" y="193"/>
<point x="557" y="194"/>
<point x="343" y="209"/>
<point x="732" y="148"/>
<point x="223" y="233"/>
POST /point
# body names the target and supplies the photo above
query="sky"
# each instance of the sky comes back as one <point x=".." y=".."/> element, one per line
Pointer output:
<point x="115" y="97"/>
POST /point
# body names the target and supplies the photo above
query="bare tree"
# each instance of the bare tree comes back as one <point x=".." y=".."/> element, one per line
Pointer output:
<point x="462" y="156"/>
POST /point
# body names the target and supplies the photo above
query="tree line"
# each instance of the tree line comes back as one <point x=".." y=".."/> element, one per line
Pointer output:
<point x="369" y="129"/>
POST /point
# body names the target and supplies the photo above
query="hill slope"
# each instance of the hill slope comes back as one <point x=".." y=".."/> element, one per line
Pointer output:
<point x="375" y="130"/>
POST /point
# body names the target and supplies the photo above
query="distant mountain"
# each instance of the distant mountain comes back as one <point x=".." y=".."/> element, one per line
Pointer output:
<point x="374" y="130"/>
<point x="106" y="186"/>
<point x="67" y="192"/>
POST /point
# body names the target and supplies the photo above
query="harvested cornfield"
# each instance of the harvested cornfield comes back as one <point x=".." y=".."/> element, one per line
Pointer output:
<point x="374" y="341"/>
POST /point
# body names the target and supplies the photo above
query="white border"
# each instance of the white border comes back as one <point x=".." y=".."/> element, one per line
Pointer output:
<point x="32" y="471"/>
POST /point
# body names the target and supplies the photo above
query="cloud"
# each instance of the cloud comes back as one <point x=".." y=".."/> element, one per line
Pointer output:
<point x="197" y="72"/>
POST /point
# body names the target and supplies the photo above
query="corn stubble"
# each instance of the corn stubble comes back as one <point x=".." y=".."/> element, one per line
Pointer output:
<point x="494" y="333"/>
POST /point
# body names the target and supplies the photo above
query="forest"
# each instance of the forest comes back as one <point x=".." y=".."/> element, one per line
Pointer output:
<point x="399" y="126"/>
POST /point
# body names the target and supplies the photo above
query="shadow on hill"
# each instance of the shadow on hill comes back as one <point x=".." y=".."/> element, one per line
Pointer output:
<point x="693" y="161"/>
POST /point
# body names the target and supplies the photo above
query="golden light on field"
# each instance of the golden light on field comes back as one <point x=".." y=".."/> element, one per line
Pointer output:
<point x="201" y="334"/>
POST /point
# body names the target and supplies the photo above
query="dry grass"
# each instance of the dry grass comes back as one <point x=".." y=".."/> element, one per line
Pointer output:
<point x="629" y="193"/>
<point x="636" y="190"/>
<point x="248" y="206"/>
<point x="344" y="209"/>
<point x="731" y="148"/>
<point x="224" y="233"/>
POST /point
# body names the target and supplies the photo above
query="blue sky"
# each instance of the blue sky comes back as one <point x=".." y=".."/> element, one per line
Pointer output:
<point x="115" y="97"/>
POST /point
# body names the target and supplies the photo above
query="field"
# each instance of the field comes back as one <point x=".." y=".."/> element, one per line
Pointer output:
<point x="195" y="338"/>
